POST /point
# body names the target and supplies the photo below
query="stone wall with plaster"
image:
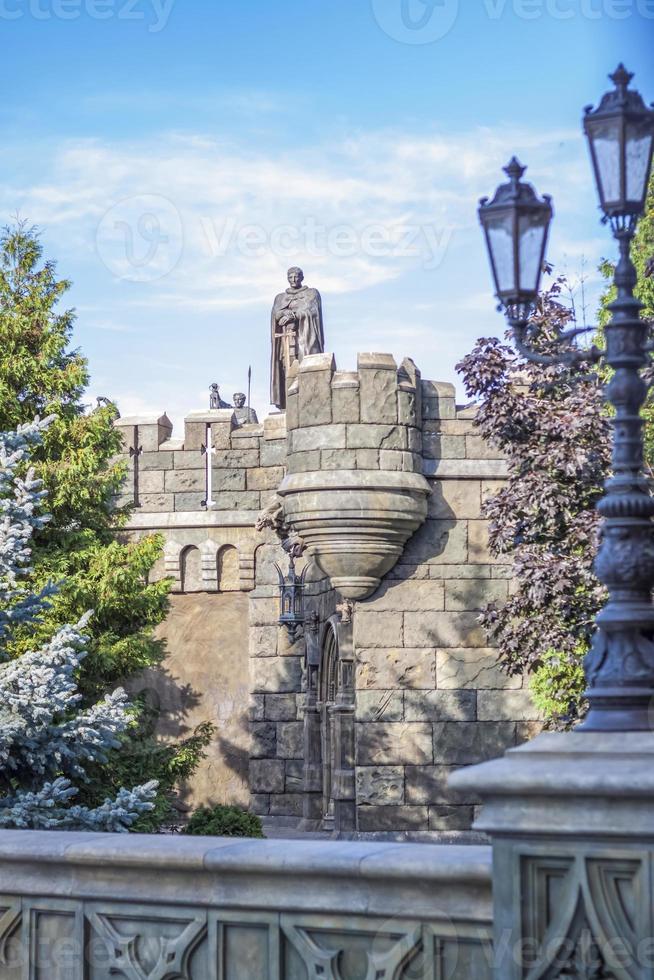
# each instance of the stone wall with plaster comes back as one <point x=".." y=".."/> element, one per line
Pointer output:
<point x="357" y="725"/>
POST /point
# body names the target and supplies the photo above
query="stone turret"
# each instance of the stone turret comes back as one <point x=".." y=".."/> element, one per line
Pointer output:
<point x="354" y="489"/>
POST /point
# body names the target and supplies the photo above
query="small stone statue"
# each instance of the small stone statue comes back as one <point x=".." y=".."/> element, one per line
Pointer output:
<point x="244" y="415"/>
<point x="296" y="330"/>
<point x="215" y="401"/>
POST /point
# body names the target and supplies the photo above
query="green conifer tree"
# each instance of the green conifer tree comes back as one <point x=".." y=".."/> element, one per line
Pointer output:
<point x="40" y="375"/>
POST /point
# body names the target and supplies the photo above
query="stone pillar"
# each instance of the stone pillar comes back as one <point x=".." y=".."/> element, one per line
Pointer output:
<point x="344" y="787"/>
<point x="222" y="422"/>
<point x="312" y="747"/>
<point x="571" y="818"/>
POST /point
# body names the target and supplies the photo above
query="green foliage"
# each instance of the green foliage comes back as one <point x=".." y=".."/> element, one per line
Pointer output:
<point x="224" y="821"/>
<point x="81" y="546"/>
<point x="558" y="686"/>
<point x="142" y="756"/>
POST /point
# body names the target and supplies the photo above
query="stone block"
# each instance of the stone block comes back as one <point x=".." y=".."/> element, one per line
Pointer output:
<point x="264" y="611"/>
<point x="294" y="775"/>
<point x="280" y="707"/>
<point x="260" y="804"/>
<point x="450" y="817"/>
<point x="156" y="503"/>
<point x="472" y="669"/>
<point x="478" y="448"/>
<point x="267" y="775"/>
<point x="187" y="502"/>
<point x="467" y="743"/>
<point x="274" y="426"/>
<point x="380" y="706"/>
<point x="437" y="445"/>
<point x="228" y="480"/>
<point x="391" y="669"/>
<point x="263" y="641"/>
<point x="273" y="453"/>
<point x="267" y="478"/>
<point x="478" y="550"/>
<point x="443" y="629"/>
<point x="396" y="460"/>
<point x="406" y="407"/>
<point x="292" y="411"/>
<point x="408" y="595"/>
<point x="394" y="743"/>
<point x="458" y="499"/>
<point x="156" y="461"/>
<point x="152" y="481"/>
<point x="345" y="397"/>
<point x="256" y="709"/>
<point x="440" y="705"/>
<point x="290" y="740"/>
<point x="286" y="805"/>
<point x="235" y="459"/>
<point x="276" y="675"/>
<point x="374" y="436"/>
<point x="490" y="488"/>
<point x="379" y="785"/>
<point x="308" y="462"/>
<point x="446" y="573"/>
<point x="428" y="784"/>
<point x="238" y="441"/>
<point x="506" y="706"/>
<point x="184" y="460"/>
<point x="405" y="570"/>
<point x="185" y="481"/>
<point x="439" y="542"/>
<point x="315" y="389"/>
<point x="366" y="459"/>
<point x="438" y="408"/>
<point x="153" y="430"/>
<point x="378" y="629"/>
<point x="474" y="594"/>
<point x="378" y="388"/>
<point x="318" y="437"/>
<point x="338" y="459"/>
<point x="263" y="740"/>
<point x="229" y="500"/>
<point x="393" y="818"/>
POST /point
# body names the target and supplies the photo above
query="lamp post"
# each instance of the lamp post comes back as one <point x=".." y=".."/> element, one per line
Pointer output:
<point x="620" y="665"/>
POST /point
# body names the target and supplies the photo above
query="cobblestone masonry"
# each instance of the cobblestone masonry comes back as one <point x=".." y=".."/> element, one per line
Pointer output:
<point x="425" y="694"/>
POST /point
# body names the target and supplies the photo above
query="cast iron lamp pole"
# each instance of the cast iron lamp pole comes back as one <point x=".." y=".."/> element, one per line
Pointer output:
<point x="620" y="665"/>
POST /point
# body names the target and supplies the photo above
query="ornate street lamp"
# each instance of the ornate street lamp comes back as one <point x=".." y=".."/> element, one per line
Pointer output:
<point x="620" y="135"/>
<point x="291" y="592"/>
<point x="516" y="224"/>
<point x="620" y="665"/>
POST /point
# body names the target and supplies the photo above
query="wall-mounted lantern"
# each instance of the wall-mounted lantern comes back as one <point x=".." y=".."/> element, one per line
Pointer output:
<point x="291" y="592"/>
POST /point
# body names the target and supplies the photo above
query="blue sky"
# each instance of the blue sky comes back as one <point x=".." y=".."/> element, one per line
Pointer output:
<point x="179" y="155"/>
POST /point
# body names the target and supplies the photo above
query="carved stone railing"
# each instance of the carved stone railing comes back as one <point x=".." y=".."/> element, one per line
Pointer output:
<point x="92" y="906"/>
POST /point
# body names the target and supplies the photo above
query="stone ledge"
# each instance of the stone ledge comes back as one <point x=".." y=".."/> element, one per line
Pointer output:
<point x="465" y="469"/>
<point x="317" y="876"/>
<point x="205" y="518"/>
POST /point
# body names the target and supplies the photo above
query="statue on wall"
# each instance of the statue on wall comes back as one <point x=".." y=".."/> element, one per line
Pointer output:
<point x="296" y="330"/>
<point x="215" y="401"/>
<point x="244" y="414"/>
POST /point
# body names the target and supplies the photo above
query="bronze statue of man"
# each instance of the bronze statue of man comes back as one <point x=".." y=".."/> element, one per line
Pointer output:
<point x="296" y="330"/>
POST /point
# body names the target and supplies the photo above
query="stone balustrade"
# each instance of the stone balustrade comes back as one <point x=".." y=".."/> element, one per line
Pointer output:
<point x="132" y="907"/>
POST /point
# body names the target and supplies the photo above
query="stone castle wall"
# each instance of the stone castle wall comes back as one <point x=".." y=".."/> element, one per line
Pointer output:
<point x="416" y="691"/>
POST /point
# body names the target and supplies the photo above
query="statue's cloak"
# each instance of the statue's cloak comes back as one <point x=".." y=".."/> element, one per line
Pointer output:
<point x="306" y="305"/>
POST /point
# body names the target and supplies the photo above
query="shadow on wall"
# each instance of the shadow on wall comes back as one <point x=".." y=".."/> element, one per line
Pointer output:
<point x="205" y="677"/>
